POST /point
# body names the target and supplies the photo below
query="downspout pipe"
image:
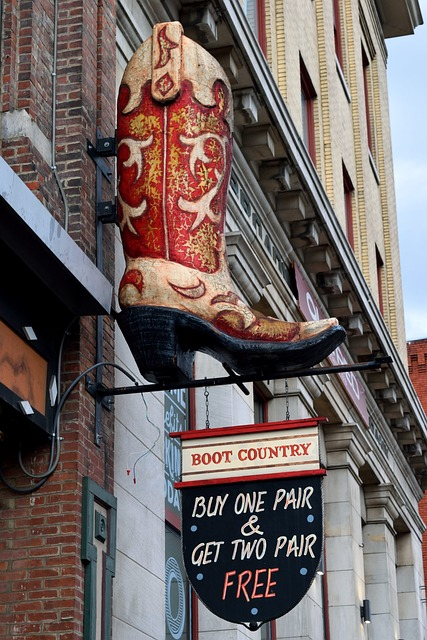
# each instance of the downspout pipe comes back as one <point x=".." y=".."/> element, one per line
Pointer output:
<point x="53" y="145"/>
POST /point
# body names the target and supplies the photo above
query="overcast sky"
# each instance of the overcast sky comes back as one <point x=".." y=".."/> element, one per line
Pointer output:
<point x="407" y="83"/>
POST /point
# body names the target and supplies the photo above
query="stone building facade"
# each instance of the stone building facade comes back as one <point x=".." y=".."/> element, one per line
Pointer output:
<point x="90" y="517"/>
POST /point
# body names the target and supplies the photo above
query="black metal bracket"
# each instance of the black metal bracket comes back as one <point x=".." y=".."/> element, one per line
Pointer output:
<point x="93" y="387"/>
<point x="99" y="391"/>
<point x="106" y="147"/>
<point x="98" y="159"/>
<point x="106" y="212"/>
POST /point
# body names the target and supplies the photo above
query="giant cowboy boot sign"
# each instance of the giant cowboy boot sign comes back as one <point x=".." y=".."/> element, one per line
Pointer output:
<point x="174" y="159"/>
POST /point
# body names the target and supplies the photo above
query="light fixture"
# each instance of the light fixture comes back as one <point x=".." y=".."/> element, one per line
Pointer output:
<point x="53" y="390"/>
<point x="365" y="612"/>
<point x="29" y="333"/>
<point x="25" y="407"/>
<point x="321" y="568"/>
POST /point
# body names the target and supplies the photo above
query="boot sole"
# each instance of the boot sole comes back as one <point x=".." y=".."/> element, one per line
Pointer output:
<point x="163" y="342"/>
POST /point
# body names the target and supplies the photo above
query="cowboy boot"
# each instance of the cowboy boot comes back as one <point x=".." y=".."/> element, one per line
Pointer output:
<point x="174" y="159"/>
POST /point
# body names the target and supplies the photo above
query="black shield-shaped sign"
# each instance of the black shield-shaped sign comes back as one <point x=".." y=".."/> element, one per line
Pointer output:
<point x="251" y="549"/>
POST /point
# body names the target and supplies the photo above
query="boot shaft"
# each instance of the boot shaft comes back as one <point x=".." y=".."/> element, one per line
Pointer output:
<point x="174" y="152"/>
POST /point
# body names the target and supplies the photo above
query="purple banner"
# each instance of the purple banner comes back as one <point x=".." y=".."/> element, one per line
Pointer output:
<point x="310" y="309"/>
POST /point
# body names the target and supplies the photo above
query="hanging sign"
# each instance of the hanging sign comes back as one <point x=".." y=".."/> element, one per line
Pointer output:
<point x="351" y="381"/>
<point x="252" y="517"/>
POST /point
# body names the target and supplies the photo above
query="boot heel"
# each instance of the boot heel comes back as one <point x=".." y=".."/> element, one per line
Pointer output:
<point x="153" y="337"/>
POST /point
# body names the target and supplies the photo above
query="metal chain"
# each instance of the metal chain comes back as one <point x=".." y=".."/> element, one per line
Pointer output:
<point x="287" y="415"/>
<point x="207" y="407"/>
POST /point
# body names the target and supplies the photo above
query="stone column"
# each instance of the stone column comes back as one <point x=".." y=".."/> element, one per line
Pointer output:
<point x="346" y="452"/>
<point x="380" y="560"/>
<point x="410" y="584"/>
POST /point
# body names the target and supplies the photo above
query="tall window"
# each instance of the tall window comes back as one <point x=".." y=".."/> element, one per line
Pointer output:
<point x="180" y="602"/>
<point x="337" y="31"/>
<point x="367" y="90"/>
<point x="348" y="206"/>
<point x="255" y="13"/>
<point x="260" y="407"/>
<point x="308" y="96"/>
<point x="380" y="274"/>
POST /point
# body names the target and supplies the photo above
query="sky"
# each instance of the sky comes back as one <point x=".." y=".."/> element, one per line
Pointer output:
<point x="407" y="84"/>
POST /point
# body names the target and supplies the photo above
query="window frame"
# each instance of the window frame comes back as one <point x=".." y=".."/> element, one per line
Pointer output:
<point x="271" y="630"/>
<point x="380" y="272"/>
<point x="338" y="32"/>
<point x="366" y="64"/>
<point x="308" y="96"/>
<point x="348" y="205"/>
<point x="257" y="20"/>
<point x="261" y="399"/>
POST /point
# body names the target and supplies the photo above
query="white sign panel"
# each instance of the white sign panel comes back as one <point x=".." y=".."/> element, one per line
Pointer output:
<point x="271" y="449"/>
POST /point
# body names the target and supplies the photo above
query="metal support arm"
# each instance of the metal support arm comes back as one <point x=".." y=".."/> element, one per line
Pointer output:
<point x="100" y="392"/>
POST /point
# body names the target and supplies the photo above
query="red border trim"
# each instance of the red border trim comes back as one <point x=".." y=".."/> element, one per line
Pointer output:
<point x="247" y="429"/>
<point x="194" y="613"/>
<point x="269" y="476"/>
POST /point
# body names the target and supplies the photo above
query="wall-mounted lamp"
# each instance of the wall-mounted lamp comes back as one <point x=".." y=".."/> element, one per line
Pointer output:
<point x="365" y="612"/>
<point x="321" y="568"/>
<point x="29" y="333"/>
<point x="25" y="407"/>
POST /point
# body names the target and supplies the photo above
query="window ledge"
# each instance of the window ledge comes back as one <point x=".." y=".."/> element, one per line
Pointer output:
<point x="343" y="80"/>
<point x="374" y="168"/>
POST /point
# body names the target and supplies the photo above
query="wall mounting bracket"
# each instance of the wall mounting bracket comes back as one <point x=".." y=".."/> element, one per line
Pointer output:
<point x="106" y="212"/>
<point x="98" y="159"/>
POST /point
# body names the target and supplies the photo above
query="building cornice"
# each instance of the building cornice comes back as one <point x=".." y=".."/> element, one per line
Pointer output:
<point x="399" y="17"/>
<point x="285" y="145"/>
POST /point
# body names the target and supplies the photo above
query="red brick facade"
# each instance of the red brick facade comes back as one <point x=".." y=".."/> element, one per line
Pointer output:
<point x="417" y="360"/>
<point x="41" y="573"/>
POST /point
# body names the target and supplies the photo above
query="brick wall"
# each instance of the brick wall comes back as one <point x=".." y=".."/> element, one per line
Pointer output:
<point x="417" y="361"/>
<point x="41" y="573"/>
